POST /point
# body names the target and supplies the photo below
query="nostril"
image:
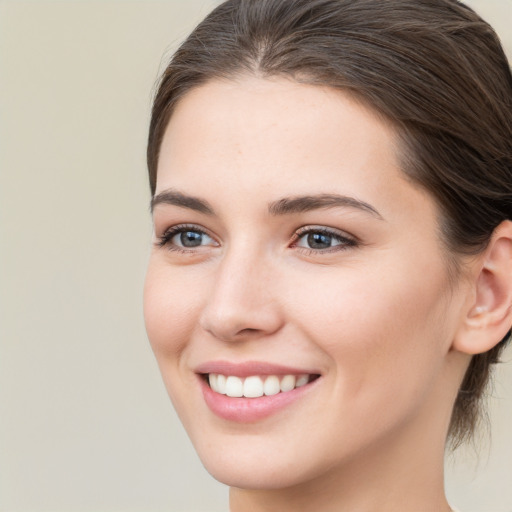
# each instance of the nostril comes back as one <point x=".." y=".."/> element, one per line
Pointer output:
<point x="248" y="331"/>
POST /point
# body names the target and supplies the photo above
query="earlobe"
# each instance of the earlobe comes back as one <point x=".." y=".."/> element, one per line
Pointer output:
<point x="488" y="317"/>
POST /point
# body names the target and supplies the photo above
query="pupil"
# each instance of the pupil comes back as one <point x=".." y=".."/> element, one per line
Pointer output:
<point x="319" y="241"/>
<point x="191" y="239"/>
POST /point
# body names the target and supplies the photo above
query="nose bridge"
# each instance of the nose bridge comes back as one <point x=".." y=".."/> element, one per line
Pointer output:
<point x="240" y="302"/>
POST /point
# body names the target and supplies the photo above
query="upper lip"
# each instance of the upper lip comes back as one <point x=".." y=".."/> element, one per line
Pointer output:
<point x="248" y="368"/>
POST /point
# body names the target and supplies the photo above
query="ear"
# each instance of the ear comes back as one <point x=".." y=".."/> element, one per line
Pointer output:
<point x="488" y="314"/>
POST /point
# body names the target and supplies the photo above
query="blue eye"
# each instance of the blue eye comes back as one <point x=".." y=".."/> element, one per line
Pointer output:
<point x="185" y="237"/>
<point x="322" y="240"/>
<point x="319" y="241"/>
<point x="190" y="239"/>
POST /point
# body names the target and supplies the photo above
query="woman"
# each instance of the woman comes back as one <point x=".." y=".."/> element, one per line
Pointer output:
<point x="331" y="278"/>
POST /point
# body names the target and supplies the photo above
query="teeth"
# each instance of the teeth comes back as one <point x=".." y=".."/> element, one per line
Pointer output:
<point x="221" y="384"/>
<point x="287" y="383"/>
<point x="271" y="386"/>
<point x="213" y="379"/>
<point x="255" y="386"/>
<point x="234" y="386"/>
<point x="301" y="381"/>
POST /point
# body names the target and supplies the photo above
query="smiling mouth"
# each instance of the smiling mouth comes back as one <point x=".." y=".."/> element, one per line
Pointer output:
<point x="256" y="386"/>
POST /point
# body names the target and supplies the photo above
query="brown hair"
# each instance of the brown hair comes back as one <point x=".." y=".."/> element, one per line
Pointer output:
<point x="433" y="68"/>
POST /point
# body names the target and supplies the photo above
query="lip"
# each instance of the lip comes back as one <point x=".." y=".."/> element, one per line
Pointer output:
<point x="250" y="410"/>
<point x="249" y="368"/>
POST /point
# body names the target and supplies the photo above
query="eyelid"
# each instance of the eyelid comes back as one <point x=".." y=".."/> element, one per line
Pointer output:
<point x="164" y="240"/>
<point x="316" y="228"/>
<point x="347" y="240"/>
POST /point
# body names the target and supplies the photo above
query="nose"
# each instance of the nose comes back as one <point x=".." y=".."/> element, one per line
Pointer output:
<point x="242" y="301"/>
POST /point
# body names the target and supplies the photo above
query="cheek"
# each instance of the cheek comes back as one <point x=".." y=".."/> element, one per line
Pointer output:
<point x="171" y="310"/>
<point x="383" y="332"/>
<point x="171" y="314"/>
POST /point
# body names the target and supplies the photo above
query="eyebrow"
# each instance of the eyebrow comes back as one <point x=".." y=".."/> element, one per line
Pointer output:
<point x="302" y="204"/>
<point x="176" y="198"/>
<point x="284" y="206"/>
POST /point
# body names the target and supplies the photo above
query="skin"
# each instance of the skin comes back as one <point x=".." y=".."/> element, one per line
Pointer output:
<point x="376" y="317"/>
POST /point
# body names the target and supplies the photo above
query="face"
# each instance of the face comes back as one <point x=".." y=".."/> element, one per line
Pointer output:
<point x="293" y="258"/>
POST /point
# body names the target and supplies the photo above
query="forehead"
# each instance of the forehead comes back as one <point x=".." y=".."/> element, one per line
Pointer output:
<point x="278" y="126"/>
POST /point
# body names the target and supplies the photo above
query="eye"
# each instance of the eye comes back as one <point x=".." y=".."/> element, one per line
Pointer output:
<point x="190" y="239"/>
<point x="185" y="238"/>
<point x="323" y="239"/>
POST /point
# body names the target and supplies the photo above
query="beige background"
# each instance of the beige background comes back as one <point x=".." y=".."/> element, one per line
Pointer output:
<point x="85" y="424"/>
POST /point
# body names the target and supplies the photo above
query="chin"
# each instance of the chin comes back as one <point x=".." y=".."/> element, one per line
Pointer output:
<point x="253" y="476"/>
<point x="252" y="464"/>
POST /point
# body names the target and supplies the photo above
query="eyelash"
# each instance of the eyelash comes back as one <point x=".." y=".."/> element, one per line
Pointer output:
<point x="165" y="239"/>
<point x="345" y="241"/>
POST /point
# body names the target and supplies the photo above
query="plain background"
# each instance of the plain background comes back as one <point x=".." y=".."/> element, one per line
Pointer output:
<point x="85" y="423"/>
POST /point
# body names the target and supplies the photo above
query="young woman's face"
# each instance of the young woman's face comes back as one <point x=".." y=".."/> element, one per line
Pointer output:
<point x="292" y="253"/>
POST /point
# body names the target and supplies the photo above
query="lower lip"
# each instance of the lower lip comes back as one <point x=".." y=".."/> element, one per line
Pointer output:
<point x="248" y="410"/>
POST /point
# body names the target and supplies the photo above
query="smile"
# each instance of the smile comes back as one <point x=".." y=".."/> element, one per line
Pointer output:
<point x="256" y="386"/>
<point x="252" y="391"/>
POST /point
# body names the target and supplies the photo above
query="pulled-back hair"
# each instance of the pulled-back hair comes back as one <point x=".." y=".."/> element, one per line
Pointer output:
<point x="433" y="68"/>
